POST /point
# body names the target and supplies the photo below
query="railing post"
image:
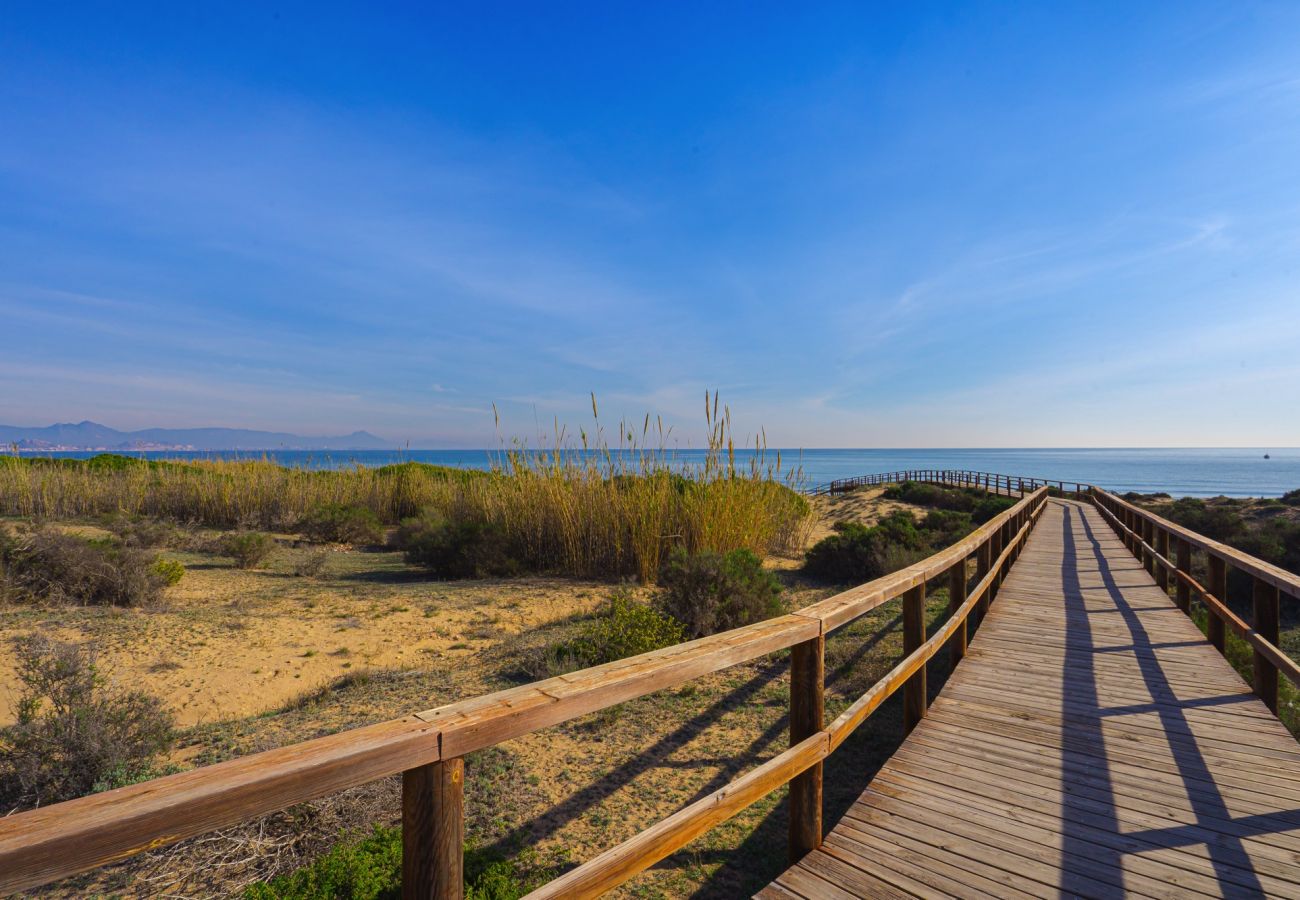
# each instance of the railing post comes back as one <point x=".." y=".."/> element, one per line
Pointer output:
<point x="1266" y="623"/>
<point x="433" y="831"/>
<point x="914" y="691"/>
<point x="956" y="597"/>
<point x="1162" y="547"/>
<point x="807" y="699"/>
<point x="995" y="550"/>
<point x="1218" y="578"/>
<point x="1184" y="590"/>
<point x="983" y="561"/>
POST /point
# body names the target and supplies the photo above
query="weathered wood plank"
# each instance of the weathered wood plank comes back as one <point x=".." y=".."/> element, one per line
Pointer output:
<point x="1091" y="742"/>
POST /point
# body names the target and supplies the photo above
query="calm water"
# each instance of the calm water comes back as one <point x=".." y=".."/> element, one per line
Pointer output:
<point x="1181" y="472"/>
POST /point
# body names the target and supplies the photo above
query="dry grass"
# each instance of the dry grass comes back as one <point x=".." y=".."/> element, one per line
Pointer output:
<point x="588" y="509"/>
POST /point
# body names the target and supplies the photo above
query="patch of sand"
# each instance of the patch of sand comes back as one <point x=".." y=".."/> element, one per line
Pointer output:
<point x="230" y="643"/>
<point x="866" y="505"/>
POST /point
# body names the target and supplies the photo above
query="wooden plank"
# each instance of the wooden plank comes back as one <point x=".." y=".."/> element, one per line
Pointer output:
<point x="1090" y="742"/>
<point x="1265" y="603"/>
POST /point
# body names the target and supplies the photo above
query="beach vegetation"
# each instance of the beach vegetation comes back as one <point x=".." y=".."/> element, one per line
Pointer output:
<point x="342" y="523"/>
<point x="709" y="592"/>
<point x="608" y="505"/>
<point x="623" y="626"/>
<point x="75" y="731"/>
<point x="46" y="565"/>
<point x="249" y="549"/>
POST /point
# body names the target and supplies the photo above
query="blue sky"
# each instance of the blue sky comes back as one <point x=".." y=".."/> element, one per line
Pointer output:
<point x="866" y="225"/>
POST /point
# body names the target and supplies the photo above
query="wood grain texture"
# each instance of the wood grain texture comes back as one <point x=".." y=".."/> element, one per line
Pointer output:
<point x="1091" y="743"/>
<point x="807" y="714"/>
<point x="433" y="831"/>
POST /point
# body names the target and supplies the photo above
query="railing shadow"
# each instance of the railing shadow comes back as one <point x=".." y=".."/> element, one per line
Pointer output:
<point x="1083" y="713"/>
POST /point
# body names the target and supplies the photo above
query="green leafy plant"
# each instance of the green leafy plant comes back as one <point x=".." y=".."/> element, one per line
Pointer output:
<point x="858" y="553"/>
<point x="370" y="868"/>
<point x="342" y="523"/>
<point x="711" y="592"/>
<point x="451" y="549"/>
<point x="249" y="549"/>
<point x="169" y="570"/>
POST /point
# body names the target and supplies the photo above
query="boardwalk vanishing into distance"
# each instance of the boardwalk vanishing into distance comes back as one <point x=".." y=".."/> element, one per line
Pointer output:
<point x="1091" y="741"/>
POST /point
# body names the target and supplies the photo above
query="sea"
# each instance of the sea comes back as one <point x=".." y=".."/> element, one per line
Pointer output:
<point x="1181" y="472"/>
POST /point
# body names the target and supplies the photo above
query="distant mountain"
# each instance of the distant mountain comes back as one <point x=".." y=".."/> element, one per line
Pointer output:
<point x="93" y="436"/>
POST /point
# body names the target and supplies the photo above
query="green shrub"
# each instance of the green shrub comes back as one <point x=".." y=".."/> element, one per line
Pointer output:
<point x="855" y="553"/>
<point x="981" y="505"/>
<point x="858" y="553"/>
<point x="711" y="592"/>
<point x="342" y="523"/>
<point x="1291" y="498"/>
<point x="169" y="570"/>
<point x="249" y="549"/>
<point x="74" y="733"/>
<point x="371" y="869"/>
<point x="456" y="549"/>
<point x="990" y="507"/>
<point x="50" y="566"/>
<point x="622" y="628"/>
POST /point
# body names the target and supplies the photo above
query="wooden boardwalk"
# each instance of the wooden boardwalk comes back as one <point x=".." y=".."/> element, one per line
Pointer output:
<point x="1092" y="743"/>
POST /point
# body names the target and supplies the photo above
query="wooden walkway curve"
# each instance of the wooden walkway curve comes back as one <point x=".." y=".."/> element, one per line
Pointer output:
<point x="1092" y="743"/>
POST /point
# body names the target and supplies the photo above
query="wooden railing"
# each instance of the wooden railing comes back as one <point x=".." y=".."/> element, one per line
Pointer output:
<point x="428" y="748"/>
<point x="988" y="481"/>
<point x="1166" y="549"/>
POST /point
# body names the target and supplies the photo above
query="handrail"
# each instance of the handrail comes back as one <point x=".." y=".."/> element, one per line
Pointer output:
<point x="989" y="481"/>
<point x="1215" y="604"/>
<point x="614" y="866"/>
<point x="1287" y="582"/>
<point x="64" y="839"/>
<point x="1148" y="536"/>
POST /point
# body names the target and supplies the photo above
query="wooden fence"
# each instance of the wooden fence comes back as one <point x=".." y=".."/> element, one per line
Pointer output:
<point x="428" y="748"/>
<point x="1166" y="549"/>
<point x="988" y="481"/>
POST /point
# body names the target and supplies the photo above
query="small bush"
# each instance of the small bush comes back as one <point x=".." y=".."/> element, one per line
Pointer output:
<point x="1291" y="498"/>
<point x="342" y="523"/>
<point x="312" y="565"/>
<point x="169" y="570"/>
<point x="858" y="553"/>
<point x="74" y="733"/>
<point x="456" y="549"/>
<point x="711" y="592"/>
<point x="621" y="627"/>
<point x="981" y="505"/>
<point x="50" y="566"/>
<point x="249" y="549"/>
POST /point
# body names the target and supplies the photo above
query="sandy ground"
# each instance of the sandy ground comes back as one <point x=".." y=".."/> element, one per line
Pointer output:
<point x="228" y="643"/>
<point x="865" y="505"/>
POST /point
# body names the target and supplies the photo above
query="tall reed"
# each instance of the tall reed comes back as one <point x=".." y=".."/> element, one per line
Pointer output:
<point x="593" y="507"/>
